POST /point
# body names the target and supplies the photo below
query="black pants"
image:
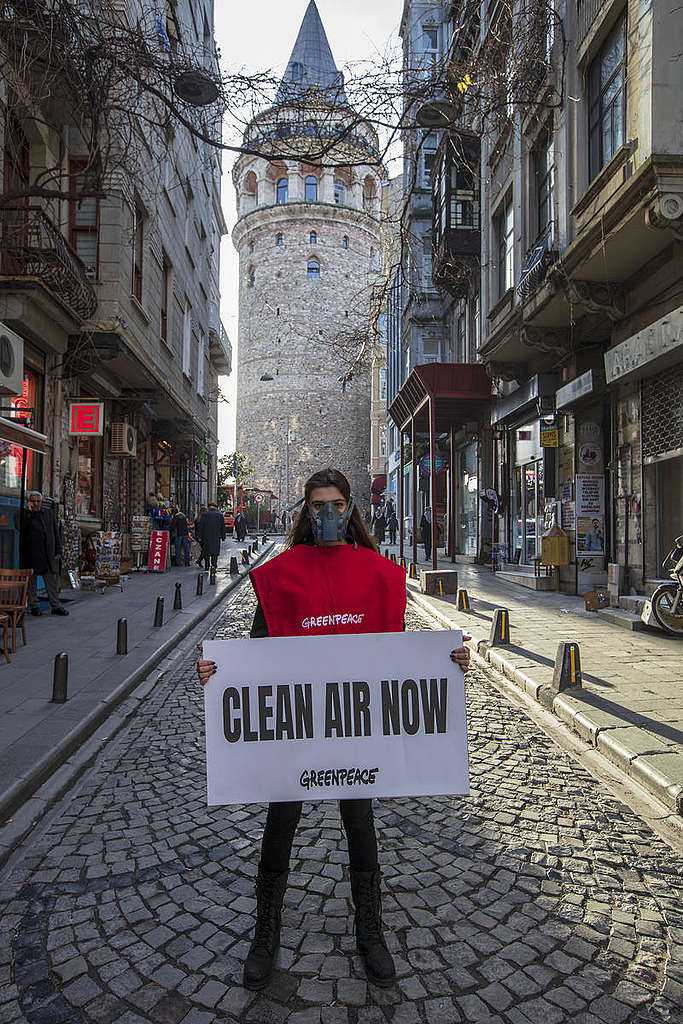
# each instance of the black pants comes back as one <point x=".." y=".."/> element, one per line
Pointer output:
<point x="283" y="818"/>
<point x="427" y="541"/>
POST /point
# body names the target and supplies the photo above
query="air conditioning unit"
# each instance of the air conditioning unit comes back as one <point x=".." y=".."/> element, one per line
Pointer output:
<point x="11" y="362"/>
<point x="123" y="439"/>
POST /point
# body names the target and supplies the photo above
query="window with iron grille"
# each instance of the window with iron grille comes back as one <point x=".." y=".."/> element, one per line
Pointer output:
<point x="662" y="422"/>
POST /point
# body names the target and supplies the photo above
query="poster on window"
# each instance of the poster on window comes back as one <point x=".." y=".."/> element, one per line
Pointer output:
<point x="590" y="514"/>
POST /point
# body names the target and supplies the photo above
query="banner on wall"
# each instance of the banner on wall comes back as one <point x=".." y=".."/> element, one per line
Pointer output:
<point x="590" y="514"/>
<point x="335" y="717"/>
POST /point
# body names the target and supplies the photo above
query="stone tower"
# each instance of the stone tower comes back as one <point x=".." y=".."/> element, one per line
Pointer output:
<point x="307" y="235"/>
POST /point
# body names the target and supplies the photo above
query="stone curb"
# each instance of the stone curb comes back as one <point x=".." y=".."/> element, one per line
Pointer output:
<point x="634" y="750"/>
<point x="45" y="771"/>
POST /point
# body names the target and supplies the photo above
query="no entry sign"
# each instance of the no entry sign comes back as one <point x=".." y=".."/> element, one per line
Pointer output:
<point x="335" y="717"/>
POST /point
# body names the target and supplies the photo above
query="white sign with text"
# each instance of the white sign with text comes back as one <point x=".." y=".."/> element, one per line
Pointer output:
<point x="335" y="717"/>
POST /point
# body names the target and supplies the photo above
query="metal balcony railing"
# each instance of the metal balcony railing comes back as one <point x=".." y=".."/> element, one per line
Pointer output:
<point x="220" y="349"/>
<point x="32" y="246"/>
<point x="586" y="13"/>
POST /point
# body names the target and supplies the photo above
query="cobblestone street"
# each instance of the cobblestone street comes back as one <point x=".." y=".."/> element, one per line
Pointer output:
<point x="540" y="898"/>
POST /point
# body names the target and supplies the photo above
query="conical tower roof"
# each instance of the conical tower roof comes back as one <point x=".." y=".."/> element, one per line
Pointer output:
<point x="311" y="67"/>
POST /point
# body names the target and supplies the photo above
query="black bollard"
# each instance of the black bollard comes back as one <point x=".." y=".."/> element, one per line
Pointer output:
<point x="60" y="678"/>
<point x="122" y="636"/>
<point x="159" y="613"/>
<point x="234" y="570"/>
<point x="178" y="598"/>
<point x="200" y="584"/>
<point x="212" y="575"/>
<point x="245" y="557"/>
<point x="264" y="540"/>
<point x="500" y="628"/>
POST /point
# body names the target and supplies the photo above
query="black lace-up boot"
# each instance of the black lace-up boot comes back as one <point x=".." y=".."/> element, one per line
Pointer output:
<point x="260" y="962"/>
<point x="379" y="964"/>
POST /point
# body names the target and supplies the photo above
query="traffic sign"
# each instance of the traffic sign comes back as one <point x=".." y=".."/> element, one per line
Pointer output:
<point x="258" y="498"/>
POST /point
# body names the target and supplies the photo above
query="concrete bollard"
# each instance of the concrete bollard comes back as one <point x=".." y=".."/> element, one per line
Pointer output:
<point x="60" y="678"/>
<point x="234" y="568"/>
<point x="463" y="601"/>
<point x="500" y="628"/>
<point x="159" y="613"/>
<point x="567" y="665"/>
<point x="178" y="598"/>
<point x="200" y="584"/>
<point x="122" y="636"/>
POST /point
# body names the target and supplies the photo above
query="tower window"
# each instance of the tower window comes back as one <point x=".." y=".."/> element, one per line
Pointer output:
<point x="311" y="189"/>
<point x="339" y="192"/>
<point x="251" y="277"/>
<point x="279" y="238"/>
<point x="313" y="270"/>
<point x="313" y="238"/>
<point x="282" y="190"/>
<point x="296" y="71"/>
<point x="345" y="242"/>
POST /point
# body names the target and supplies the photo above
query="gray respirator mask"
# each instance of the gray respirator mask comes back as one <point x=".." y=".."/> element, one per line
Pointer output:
<point x="328" y="524"/>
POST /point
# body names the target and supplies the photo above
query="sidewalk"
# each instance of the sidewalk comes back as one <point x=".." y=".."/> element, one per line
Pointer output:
<point x="631" y="703"/>
<point x="37" y="736"/>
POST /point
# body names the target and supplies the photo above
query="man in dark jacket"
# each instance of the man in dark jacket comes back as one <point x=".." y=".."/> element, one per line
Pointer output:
<point x="241" y="526"/>
<point x="211" y="533"/>
<point x="41" y="550"/>
<point x="181" y="535"/>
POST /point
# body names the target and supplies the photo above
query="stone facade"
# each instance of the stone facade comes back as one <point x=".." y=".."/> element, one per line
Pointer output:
<point x="302" y="331"/>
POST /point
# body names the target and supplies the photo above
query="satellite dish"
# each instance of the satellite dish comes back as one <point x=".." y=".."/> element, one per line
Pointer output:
<point x="196" y="88"/>
<point x="438" y="114"/>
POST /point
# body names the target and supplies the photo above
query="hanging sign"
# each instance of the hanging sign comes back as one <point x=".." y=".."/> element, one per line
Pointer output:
<point x="86" y="418"/>
<point x="426" y="462"/>
<point x="158" y="551"/>
<point x="550" y="433"/>
<point x="335" y="717"/>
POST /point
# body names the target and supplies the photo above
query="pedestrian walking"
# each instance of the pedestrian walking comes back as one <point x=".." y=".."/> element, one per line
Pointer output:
<point x="392" y="526"/>
<point x="241" y="525"/>
<point x="211" y="533"/>
<point x="180" y="535"/>
<point x="379" y="526"/>
<point x="201" y="561"/>
<point x="41" y="550"/>
<point x="426" y="532"/>
<point x="330" y="563"/>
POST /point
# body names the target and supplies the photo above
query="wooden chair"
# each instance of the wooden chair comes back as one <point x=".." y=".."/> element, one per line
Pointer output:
<point x="13" y="600"/>
<point x="4" y="626"/>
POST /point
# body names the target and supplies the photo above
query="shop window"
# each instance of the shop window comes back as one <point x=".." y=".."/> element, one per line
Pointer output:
<point x="84" y="218"/>
<point x="311" y="189"/>
<point x="27" y="410"/>
<point x="607" y="99"/>
<point x="89" y="482"/>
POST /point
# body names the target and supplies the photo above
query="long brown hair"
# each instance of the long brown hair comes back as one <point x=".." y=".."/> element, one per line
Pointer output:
<point x="356" y="530"/>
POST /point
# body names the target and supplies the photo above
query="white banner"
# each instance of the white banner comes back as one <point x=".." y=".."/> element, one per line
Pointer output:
<point x="335" y="717"/>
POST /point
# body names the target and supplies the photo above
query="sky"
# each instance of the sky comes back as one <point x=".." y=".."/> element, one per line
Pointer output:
<point x="259" y="36"/>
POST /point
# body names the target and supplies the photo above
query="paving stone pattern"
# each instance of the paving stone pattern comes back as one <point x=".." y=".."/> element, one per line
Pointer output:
<point x="540" y="898"/>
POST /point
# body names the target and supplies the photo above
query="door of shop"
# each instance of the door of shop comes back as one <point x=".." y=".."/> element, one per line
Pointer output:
<point x="669" y="505"/>
<point x="530" y="503"/>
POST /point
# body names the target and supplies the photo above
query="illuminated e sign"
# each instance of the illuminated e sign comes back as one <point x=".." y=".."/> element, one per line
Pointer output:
<point x="86" y="418"/>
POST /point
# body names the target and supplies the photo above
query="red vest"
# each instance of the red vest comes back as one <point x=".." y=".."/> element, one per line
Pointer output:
<point x="312" y="590"/>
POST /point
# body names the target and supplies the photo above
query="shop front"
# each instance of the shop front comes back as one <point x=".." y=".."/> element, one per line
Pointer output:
<point x="440" y="410"/>
<point x="646" y="375"/>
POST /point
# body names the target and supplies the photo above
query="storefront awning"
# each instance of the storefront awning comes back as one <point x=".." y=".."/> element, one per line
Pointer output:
<point x="23" y="437"/>
<point x="460" y="392"/>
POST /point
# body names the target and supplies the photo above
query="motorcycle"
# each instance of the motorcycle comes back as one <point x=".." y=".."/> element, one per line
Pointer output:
<point x="667" y="600"/>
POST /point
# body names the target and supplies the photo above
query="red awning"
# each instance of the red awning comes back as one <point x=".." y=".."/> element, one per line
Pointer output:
<point x="379" y="484"/>
<point x="460" y="392"/>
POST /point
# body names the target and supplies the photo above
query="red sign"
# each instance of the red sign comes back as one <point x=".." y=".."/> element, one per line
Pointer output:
<point x="158" y="551"/>
<point x="86" y="418"/>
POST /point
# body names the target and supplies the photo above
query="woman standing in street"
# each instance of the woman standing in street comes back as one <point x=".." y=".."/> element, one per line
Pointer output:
<point x="330" y="564"/>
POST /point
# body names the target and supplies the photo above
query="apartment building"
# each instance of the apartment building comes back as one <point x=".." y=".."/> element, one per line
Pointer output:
<point x="109" y="295"/>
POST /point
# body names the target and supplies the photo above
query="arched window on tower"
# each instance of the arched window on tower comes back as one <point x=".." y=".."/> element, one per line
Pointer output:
<point x="282" y="190"/>
<point x="251" y="276"/>
<point x="279" y="238"/>
<point x="339" y="192"/>
<point x="313" y="269"/>
<point x="311" y="189"/>
<point x="313" y="238"/>
<point x="345" y="242"/>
